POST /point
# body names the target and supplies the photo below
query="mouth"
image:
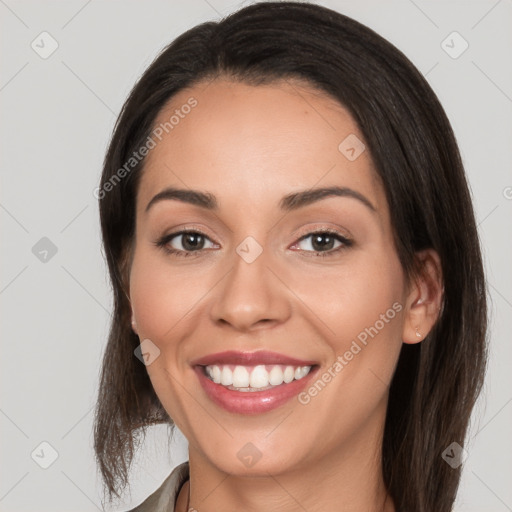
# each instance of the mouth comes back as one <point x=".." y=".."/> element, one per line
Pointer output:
<point x="234" y="382"/>
<point x="254" y="378"/>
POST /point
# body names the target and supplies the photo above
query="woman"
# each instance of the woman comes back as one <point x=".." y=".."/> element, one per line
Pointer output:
<point x="296" y="271"/>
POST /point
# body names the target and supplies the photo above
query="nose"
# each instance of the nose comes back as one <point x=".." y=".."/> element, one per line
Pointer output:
<point x="251" y="296"/>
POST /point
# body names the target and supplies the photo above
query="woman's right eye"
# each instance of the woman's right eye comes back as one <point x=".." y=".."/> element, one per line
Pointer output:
<point x="183" y="243"/>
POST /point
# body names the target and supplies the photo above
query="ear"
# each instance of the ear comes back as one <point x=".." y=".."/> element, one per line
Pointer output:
<point x="125" y="263"/>
<point x="425" y="297"/>
<point x="134" y="324"/>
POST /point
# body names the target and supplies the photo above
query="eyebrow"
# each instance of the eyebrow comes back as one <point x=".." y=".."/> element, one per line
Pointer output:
<point x="288" y="203"/>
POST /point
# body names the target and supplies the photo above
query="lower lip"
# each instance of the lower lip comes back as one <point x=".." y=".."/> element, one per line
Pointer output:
<point x="252" y="402"/>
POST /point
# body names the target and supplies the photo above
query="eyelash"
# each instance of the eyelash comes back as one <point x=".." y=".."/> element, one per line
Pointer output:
<point x="346" y="243"/>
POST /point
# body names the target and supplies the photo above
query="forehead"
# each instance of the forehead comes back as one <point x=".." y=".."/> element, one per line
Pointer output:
<point x="254" y="144"/>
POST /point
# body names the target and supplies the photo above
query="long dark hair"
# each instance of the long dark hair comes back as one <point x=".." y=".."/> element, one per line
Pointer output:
<point x="415" y="153"/>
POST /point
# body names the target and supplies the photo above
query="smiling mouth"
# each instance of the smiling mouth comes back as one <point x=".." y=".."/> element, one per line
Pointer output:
<point x="254" y="378"/>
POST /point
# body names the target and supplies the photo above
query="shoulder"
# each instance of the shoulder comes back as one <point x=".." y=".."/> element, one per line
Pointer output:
<point x="164" y="498"/>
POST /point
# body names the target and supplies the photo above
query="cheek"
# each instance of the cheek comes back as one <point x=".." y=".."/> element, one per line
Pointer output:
<point x="361" y="306"/>
<point x="357" y="300"/>
<point x="370" y="318"/>
<point x="162" y="296"/>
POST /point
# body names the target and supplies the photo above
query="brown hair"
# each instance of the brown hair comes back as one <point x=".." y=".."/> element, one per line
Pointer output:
<point x="414" y="150"/>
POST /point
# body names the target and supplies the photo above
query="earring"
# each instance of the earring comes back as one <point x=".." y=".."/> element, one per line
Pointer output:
<point x="418" y="334"/>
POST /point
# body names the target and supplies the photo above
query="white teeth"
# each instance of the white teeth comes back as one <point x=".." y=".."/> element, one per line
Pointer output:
<point x="240" y="377"/>
<point x="216" y="374"/>
<point x="259" y="377"/>
<point x="301" y="371"/>
<point x="289" y="374"/>
<point x="243" y="378"/>
<point x="226" y="378"/>
<point x="276" y="376"/>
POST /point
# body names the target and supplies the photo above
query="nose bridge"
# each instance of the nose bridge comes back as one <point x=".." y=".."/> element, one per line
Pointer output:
<point x="250" y="292"/>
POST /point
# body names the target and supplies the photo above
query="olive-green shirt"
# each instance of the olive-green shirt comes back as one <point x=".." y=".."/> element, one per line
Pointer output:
<point x="164" y="498"/>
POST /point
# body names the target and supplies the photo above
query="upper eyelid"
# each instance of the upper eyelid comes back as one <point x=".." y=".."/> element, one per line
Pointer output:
<point x="319" y="227"/>
<point x="332" y="231"/>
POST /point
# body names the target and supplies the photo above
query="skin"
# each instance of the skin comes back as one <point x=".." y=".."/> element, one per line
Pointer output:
<point x="267" y="142"/>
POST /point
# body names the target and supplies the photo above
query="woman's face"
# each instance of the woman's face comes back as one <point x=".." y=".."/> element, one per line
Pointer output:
<point x="261" y="274"/>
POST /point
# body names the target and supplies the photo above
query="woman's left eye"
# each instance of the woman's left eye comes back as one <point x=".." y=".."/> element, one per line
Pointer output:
<point x="322" y="243"/>
<point x="185" y="243"/>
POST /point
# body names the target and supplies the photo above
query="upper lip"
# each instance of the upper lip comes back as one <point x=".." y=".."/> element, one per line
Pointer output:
<point x="249" y="359"/>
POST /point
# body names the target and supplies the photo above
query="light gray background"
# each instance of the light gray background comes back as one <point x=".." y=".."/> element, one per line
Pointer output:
<point x="56" y="118"/>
